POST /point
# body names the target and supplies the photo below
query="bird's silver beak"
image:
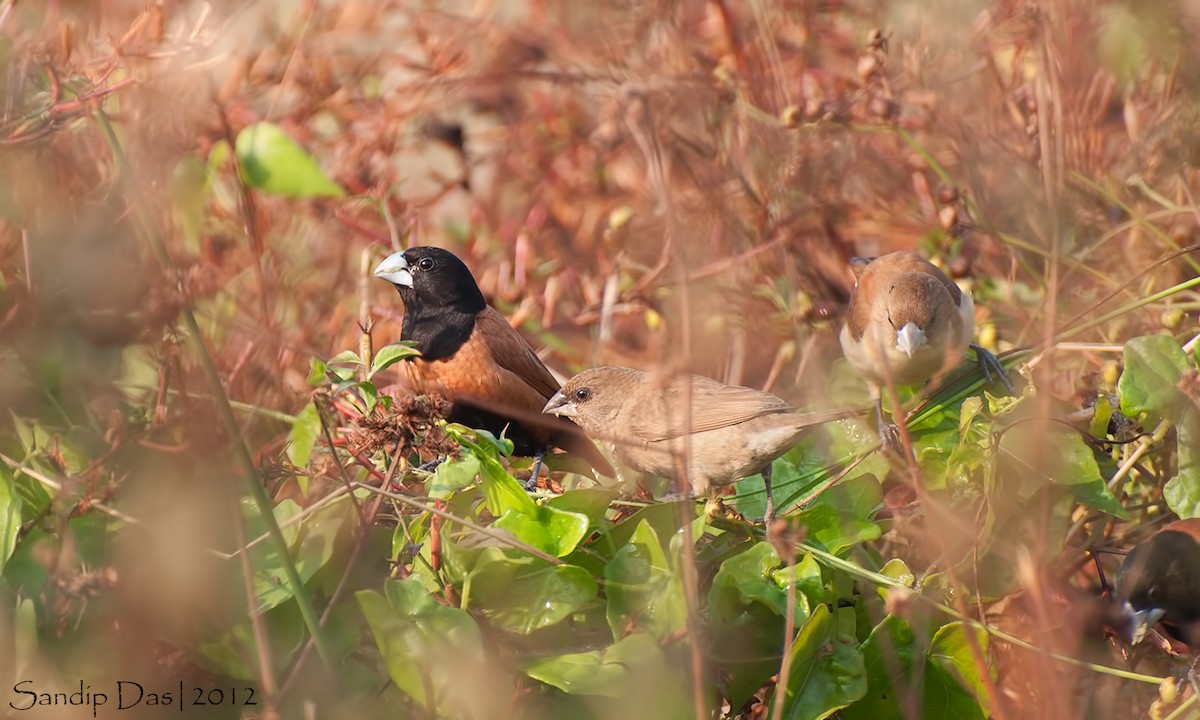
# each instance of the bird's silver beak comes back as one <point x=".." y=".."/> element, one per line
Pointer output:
<point x="911" y="338"/>
<point x="1140" y="622"/>
<point x="559" y="405"/>
<point x="395" y="270"/>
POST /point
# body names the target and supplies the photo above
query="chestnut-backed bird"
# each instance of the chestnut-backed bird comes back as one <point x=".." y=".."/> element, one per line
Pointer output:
<point x="472" y="355"/>
<point x="907" y="322"/>
<point x="652" y="421"/>
<point x="1159" y="581"/>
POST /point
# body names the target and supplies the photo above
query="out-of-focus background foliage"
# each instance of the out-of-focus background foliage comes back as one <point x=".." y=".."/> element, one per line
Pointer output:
<point x="192" y="195"/>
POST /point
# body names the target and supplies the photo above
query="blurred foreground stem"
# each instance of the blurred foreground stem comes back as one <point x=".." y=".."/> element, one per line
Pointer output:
<point x="221" y="400"/>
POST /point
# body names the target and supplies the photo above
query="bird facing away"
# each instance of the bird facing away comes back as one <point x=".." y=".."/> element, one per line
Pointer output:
<point x="1160" y="581"/>
<point x="647" y="420"/>
<point x="906" y="323"/>
<point x="472" y="355"/>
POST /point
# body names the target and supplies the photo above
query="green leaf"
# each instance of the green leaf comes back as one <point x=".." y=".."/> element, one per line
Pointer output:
<point x="523" y="594"/>
<point x="389" y="355"/>
<point x="369" y="395"/>
<point x="501" y="490"/>
<point x="1074" y="467"/>
<point x="452" y="475"/>
<point x="835" y="529"/>
<point x="1154" y="364"/>
<point x="310" y="545"/>
<point x="316" y="371"/>
<point x="951" y="652"/>
<point x="591" y="502"/>
<point x="272" y="162"/>
<point x="938" y="674"/>
<point x="825" y="674"/>
<point x="748" y="577"/>
<point x="424" y="644"/>
<point x="747" y="606"/>
<point x="1182" y="492"/>
<point x="346" y="357"/>
<point x="10" y="516"/>
<point x="663" y="516"/>
<point x="1080" y="471"/>
<point x="553" y="531"/>
<point x="644" y="594"/>
<point x="608" y="672"/>
<point x="302" y="437"/>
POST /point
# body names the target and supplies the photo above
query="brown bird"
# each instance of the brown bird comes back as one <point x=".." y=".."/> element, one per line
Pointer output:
<point x="729" y="432"/>
<point x="1160" y="581"/>
<point x="906" y="323"/>
<point x="472" y="355"/>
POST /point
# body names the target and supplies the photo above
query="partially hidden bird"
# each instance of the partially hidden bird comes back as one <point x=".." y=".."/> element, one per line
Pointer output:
<point x="652" y="421"/>
<point x="471" y="354"/>
<point x="1159" y="582"/>
<point x="906" y="323"/>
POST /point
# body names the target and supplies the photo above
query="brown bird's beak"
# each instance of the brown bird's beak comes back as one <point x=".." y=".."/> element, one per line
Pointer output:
<point x="560" y="405"/>
<point x="395" y="270"/>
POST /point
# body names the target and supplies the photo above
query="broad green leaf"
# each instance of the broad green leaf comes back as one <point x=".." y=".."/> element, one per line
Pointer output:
<point x="644" y="593"/>
<point x="890" y="656"/>
<point x="389" y="355"/>
<point x="503" y="493"/>
<point x="426" y="645"/>
<point x="609" y="672"/>
<point x="369" y="395"/>
<point x="825" y="674"/>
<point x="801" y="468"/>
<point x="747" y="607"/>
<point x="316" y="372"/>
<point x="554" y="531"/>
<point x="951" y="652"/>
<point x="274" y="163"/>
<point x="346" y="358"/>
<point x="591" y="502"/>
<point x="10" y="516"/>
<point x="749" y="578"/>
<point x="302" y="437"/>
<point x="1074" y="467"/>
<point x="663" y="516"/>
<point x="1080" y="471"/>
<point x="310" y="545"/>
<point x="841" y="516"/>
<point x="1154" y="365"/>
<point x="523" y="594"/>
<point x="453" y="474"/>
<point x="1182" y="492"/>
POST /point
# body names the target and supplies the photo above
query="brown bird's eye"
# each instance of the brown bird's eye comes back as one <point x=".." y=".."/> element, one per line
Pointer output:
<point x="425" y="263"/>
<point x="583" y="394"/>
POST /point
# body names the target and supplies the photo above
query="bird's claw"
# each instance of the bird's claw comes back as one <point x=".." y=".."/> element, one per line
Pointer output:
<point x="532" y="483"/>
<point x="431" y="465"/>
<point x="889" y="439"/>
<point x="992" y="368"/>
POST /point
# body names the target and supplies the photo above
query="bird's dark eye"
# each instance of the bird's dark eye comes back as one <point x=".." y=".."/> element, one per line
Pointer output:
<point x="425" y="263"/>
<point x="582" y="394"/>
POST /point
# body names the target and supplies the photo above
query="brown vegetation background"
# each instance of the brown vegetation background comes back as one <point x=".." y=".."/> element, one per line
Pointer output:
<point x="647" y="184"/>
